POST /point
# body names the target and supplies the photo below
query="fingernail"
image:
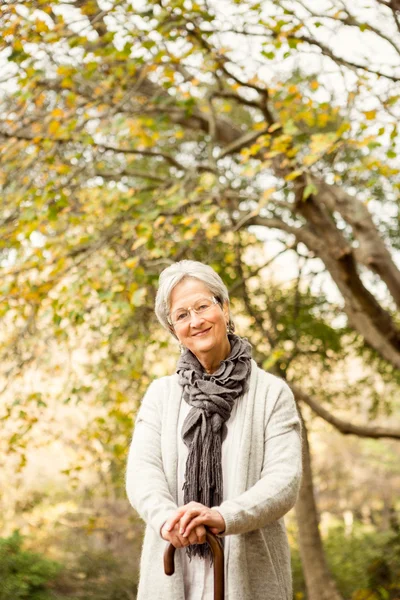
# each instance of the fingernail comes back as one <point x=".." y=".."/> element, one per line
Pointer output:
<point x="181" y="531"/>
<point x="185" y="535"/>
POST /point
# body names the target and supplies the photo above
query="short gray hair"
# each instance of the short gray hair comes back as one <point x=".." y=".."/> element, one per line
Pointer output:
<point x="177" y="272"/>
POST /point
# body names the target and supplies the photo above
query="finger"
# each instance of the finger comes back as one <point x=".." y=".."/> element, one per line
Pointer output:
<point x="184" y="541"/>
<point x="178" y="541"/>
<point x="190" y="514"/>
<point x="193" y="539"/>
<point x="172" y="521"/>
<point x="199" y="520"/>
<point x="201" y="534"/>
<point x="181" y="541"/>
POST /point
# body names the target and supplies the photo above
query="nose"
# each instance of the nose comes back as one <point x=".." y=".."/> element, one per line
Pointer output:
<point x="195" y="319"/>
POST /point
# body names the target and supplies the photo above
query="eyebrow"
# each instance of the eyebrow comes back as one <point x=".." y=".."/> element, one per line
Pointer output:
<point x="184" y="307"/>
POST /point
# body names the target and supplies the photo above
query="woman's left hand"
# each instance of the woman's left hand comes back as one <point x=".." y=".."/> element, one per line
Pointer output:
<point x="193" y="514"/>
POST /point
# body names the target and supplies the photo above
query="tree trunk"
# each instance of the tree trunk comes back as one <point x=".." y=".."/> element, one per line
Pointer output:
<point x="319" y="582"/>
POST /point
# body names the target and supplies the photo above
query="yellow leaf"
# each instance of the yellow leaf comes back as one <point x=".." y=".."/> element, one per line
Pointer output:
<point x="66" y="83"/>
<point x="54" y="127"/>
<point x="41" y="26"/>
<point x="321" y="142"/>
<point x="62" y="169"/>
<point x="322" y="119"/>
<point x="187" y="220"/>
<point x="139" y="242"/>
<point x="268" y="193"/>
<point x="274" y="127"/>
<point x="159" y="221"/>
<point x="131" y="262"/>
<point x="293" y="175"/>
<point x="314" y="85"/>
<point x="370" y="114"/>
<point x="213" y="230"/>
<point x="190" y="233"/>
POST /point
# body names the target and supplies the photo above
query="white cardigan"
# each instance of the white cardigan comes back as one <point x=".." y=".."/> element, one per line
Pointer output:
<point x="267" y="480"/>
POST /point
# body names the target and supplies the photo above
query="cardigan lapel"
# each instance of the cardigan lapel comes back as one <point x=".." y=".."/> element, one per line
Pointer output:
<point x="170" y="446"/>
<point x="243" y="470"/>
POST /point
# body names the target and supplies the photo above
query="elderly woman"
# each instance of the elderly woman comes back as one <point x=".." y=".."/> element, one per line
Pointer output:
<point x="217" y="444"/>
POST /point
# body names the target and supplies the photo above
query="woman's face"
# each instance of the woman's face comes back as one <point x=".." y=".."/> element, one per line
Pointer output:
<point x="201" y="333"/>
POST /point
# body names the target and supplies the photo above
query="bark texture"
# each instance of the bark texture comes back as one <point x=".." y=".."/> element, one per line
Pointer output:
<point x="319" y="582"/>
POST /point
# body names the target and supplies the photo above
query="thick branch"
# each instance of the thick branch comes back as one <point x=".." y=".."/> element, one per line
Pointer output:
<point x="363" y="311"/>
<point x="372" y="251"/>
<point x="339" y="259"/>
<point x="345" y="427"/>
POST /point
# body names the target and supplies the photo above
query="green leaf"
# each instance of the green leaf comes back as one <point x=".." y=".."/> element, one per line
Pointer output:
<point x="308" y="190"/>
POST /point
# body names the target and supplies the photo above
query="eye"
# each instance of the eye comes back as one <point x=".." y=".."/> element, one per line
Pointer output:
<point x="181" y="316"/>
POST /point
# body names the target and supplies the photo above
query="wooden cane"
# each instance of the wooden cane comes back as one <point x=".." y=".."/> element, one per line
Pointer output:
<point x="218" y="553"/>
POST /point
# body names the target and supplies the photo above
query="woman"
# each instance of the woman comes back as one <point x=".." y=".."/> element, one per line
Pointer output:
<point x="217" y="444"/>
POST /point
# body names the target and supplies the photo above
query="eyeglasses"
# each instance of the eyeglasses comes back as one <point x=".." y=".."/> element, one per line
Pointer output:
<point x="182" y="315"/>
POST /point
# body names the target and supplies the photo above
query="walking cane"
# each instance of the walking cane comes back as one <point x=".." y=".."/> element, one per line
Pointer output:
<point x="218" y="552"/>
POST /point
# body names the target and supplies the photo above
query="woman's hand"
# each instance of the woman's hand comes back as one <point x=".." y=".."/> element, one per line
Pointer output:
<point x="193" y="514"/>
<point x="172" y="535"/>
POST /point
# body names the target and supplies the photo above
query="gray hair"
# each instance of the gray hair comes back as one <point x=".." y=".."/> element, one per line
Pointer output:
<point x="177" y="272"/>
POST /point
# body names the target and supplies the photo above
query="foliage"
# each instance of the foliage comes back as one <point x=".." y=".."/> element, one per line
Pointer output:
<point x="365" y="563"/>
<point x="24" y="575"/>
<point x="92" y="574"/>
<point x="97" y="575"/>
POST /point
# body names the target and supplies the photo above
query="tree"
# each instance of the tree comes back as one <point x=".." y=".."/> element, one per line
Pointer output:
<point x="135" y="137"/>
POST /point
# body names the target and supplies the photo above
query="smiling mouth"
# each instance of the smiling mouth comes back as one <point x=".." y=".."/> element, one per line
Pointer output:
<point x="201" y="332"/>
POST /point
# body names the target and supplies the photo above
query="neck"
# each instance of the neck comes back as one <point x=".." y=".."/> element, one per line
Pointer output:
<point x="210" y="361"/>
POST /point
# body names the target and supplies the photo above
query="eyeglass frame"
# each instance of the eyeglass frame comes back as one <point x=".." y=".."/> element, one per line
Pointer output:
<point x="190" y="308"/>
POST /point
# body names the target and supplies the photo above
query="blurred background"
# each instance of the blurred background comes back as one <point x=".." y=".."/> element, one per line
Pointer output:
<point x="258" y="137"/>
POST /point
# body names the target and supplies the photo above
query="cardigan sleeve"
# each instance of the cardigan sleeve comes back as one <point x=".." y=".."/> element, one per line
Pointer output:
<point x="145" y="480"/>
<point x="275" y="493"/>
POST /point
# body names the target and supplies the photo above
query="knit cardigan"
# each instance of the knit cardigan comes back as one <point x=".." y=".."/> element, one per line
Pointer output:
<point x="267" y="480"/>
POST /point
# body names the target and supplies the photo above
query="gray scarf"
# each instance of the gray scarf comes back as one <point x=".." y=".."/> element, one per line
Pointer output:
<point x="211" y="396"/>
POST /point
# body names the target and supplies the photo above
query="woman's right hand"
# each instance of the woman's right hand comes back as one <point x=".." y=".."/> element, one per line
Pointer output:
<point x="196" y="536"/>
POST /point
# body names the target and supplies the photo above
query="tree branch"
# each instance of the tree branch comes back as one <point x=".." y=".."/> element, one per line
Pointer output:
<point x="372" y="251"/>
<point x="342" y="61"/>
<point x="101" y="147"/>
<point x="345" y="427"/>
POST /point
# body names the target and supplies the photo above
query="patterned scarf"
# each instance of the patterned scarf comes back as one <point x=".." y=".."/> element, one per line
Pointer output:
<point x="211" y="396"/>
